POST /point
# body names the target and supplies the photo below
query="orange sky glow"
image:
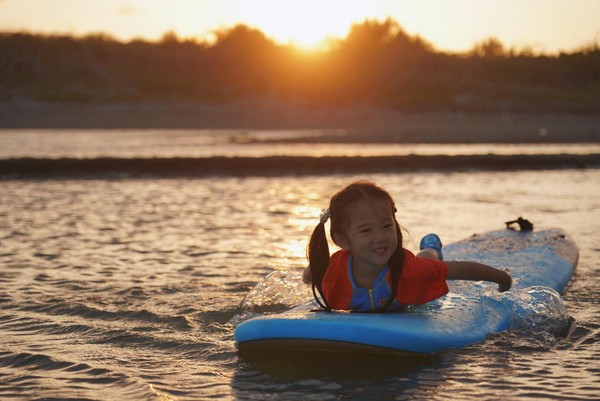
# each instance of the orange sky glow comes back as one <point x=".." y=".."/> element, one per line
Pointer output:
<point x="543" y="25"/>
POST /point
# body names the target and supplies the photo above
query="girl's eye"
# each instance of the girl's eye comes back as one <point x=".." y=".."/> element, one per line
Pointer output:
<point x="364" y="230"/>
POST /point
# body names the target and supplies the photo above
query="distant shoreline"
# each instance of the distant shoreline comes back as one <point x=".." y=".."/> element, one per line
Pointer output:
<point x="26" y="168"/>
<point x="360" y="124"/>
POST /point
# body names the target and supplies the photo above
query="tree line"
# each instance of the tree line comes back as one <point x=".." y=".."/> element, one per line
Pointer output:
<point x="377" y="64"/>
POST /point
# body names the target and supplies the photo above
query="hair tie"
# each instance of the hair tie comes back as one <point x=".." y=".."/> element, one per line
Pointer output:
<point x="325" y="215"/>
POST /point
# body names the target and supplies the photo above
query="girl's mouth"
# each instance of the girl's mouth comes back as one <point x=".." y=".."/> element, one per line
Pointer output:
<point x="380" y="251"/>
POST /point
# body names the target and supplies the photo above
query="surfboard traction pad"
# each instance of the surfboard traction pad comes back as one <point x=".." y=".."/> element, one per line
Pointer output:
<point x="503" y="241"/>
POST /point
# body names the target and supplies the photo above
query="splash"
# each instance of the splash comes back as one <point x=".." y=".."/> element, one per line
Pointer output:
<point x="279" y="291"/>
<point x="539" y="310"/>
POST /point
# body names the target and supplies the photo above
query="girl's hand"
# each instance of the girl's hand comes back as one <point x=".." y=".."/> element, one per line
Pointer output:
<point x="505" y="286"/>
<point x="306" y="276"/>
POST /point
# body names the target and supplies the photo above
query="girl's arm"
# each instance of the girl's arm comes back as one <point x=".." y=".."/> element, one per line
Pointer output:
<point x="478" y="271"/>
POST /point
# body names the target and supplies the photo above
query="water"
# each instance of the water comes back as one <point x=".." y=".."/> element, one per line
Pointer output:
<point x="254" y="143"/>
<point x="131" y="288"/>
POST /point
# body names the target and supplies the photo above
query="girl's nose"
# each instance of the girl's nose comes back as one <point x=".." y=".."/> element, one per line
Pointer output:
<point x="379" y="236"/>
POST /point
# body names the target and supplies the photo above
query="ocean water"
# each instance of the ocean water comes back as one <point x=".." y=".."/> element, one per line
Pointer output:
<point x="131" y="288"/>
<point x="167" y="143"/>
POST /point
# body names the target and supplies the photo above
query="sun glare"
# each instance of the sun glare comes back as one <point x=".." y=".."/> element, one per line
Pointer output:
<point x="307" y="25"/>
<point x="303" y="34"/>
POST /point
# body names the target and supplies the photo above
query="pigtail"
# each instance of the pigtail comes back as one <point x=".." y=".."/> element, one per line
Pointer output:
<point x="318" y="259"/>
<point x="395" y="265"/>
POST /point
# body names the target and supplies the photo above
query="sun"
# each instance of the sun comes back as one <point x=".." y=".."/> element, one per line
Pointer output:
<point x="307" y="24"/>
<point x="304" y="29"/>
<point x="298" y="35"/>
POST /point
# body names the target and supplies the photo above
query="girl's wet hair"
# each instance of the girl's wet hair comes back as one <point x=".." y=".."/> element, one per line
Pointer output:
<point x="318" y="249"/>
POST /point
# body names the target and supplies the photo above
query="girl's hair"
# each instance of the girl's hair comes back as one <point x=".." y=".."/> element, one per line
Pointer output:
<point x="318" y="249"/>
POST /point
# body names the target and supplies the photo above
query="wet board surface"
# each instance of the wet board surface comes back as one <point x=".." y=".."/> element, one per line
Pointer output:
<point x="466" y="315"/>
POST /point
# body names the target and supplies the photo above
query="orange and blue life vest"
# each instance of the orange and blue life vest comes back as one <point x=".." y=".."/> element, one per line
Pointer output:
<point x="422" y="280"/>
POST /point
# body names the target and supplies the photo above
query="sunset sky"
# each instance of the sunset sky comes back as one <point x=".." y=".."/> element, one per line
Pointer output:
<point x="452" y="25"/>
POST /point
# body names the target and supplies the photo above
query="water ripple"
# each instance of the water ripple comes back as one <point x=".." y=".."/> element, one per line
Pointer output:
<point x="130" y="289"/>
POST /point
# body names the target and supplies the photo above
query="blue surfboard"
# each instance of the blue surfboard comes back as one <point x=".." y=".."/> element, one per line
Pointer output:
<point x="467" y="314"/>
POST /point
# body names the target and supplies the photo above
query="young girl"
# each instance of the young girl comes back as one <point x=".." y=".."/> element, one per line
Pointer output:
<point x="373" y="272"/>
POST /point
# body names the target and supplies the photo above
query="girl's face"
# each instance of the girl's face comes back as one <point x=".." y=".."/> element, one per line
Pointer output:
<point x="371" y="233"/>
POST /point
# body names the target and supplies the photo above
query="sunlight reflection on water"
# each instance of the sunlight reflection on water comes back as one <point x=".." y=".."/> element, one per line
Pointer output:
<point x="119" y="289"/>
<point x="230" y="143"/>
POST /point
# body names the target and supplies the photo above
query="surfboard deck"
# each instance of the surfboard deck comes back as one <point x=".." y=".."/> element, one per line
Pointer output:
<point x="466" y="315"/>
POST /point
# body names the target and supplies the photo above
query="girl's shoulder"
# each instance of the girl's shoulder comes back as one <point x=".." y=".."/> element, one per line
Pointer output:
<point x="336" y="282"/>
<point x="416" y="266"/>
<point x="337" y="270"/>
<point x="408" y="254"/>
<point x="339" y="260"/>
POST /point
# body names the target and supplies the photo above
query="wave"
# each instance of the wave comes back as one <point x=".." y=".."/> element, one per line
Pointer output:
<point x="34" y="376"/>
<point x="17" y="168"/>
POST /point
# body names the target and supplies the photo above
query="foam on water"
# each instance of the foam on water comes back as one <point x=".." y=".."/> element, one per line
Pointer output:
<point x="539" y="309"/>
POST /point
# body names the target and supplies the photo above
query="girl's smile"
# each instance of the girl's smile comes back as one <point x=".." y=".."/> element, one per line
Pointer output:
<point x="370" y="237"/>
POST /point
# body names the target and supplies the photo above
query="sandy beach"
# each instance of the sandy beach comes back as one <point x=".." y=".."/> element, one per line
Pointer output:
<point x="360" y="124"/>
